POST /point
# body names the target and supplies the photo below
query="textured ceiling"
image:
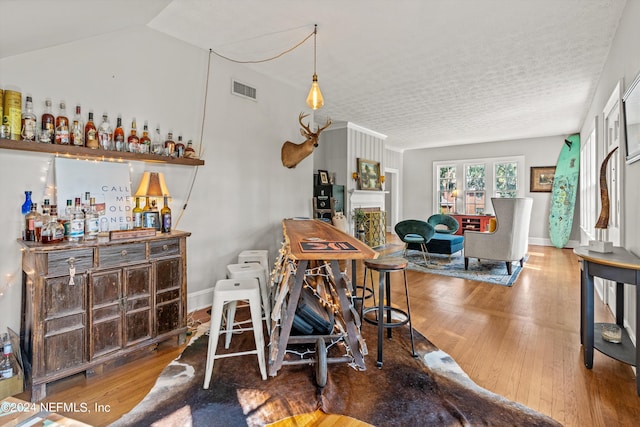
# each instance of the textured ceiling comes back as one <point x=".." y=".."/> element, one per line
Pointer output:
<point x="425" y="73"/>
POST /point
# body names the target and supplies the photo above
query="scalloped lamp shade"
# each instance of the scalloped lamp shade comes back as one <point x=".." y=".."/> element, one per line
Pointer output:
<point x="152" y="184"/>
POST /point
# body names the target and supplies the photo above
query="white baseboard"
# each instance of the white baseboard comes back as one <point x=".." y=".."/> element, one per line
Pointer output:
<point x="547" y="242"/>
<point x="199" y="300"/>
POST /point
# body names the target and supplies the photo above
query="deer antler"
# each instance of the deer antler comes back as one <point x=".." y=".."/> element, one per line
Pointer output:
<point x="305" y="127"/>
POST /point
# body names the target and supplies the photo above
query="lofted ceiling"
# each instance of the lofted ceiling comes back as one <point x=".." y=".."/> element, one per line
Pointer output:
<point x="426" y="73"/>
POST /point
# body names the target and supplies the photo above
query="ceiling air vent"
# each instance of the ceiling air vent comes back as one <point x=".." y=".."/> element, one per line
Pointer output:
<point x="243" y="90"/>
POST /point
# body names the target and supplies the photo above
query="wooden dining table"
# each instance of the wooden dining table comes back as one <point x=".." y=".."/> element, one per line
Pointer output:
<point x="312" y="240"/>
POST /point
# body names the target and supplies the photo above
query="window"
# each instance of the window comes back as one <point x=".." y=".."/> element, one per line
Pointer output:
<point x="474" y="189"/>
<point x="466" y="185"/>
<point x="447" y="189"/>
<point x="506" y="179"/>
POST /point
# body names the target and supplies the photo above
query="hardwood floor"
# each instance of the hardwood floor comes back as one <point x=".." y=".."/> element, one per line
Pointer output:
<point x="521" y="342"/>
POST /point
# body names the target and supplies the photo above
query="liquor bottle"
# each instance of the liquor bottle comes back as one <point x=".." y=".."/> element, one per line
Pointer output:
<point x="91" y="221"/>
<point x="47" y="124"/>
<point x="46" y="212"/>
<point x="157" y="145"/>
<point x="86" y="203"/>
<point x="91" y="133"/>
<point x="169" y="145"/>
<point x="37" y="224"/>
<point x="137" y="214"/>
<point x="165" y="215"/>
<point x="28" y="121"/>
<point x="62" y="126"/>
<point x="65" y="218"/>
<point x="145" y="141"/>
<point x="105" y="134"/>
<point x="53" y="231"/>
<point x="26" y="206"/>
<point x="179" y="147"/>
<point x="77" y="129"/>
<point x="30" y="223"/>
<point x="189" y="152"/>
<point x="118" y="136"/>
<point x="147" y="205"/>
<point x="133" y="140"/>
<point x="5" y="127"/>
<point x="76" y="233"/>
<point x="6" y="368"/>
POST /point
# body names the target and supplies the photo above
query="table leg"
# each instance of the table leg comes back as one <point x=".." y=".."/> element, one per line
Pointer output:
<point x="285" y="327"/>
<point x="345" y="305"/>
<point x="387" y="275"/>
<point x="582" y="301"/>
<point x="620" y="304"/>
<point x="637" y="333"/>
<point x="587" y="320"/>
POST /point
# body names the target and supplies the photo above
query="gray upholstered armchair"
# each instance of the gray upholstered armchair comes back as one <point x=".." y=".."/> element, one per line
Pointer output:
<point x="416" y="234"/>
<point x="510" y="240"/>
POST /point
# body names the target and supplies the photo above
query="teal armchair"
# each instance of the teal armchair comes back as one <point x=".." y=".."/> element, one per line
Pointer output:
<point x="448" y="221"/>
<point x="415" y="234"/>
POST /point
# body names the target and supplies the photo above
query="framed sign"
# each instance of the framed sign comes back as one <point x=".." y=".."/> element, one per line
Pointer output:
<point x="109" y="183"/>
<point x="542" y="179"/>
<point x="369" y="175"/>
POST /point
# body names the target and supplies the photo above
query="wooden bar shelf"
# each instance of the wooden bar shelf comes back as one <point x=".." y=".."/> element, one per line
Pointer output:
<point x="71" y="151"/>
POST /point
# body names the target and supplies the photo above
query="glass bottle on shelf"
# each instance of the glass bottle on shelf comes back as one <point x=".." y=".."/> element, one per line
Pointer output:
<point x="165" y="216"/>
<point x="30" y="223"/>
<point x="179" y="147"/>
<point x="26" y="206"/>
<point x="76" y="233"/>
<point x="5" y="127"/>
<point x="118" y="136"/>
<point x="91" y="133"/>
<point x="189" y="152"/>
<point x="105" y="134"/>
<point x="169" y="145"/>
<point x="28" y="121"/>
<point x="137" y="214"/>
<point x="145" y="141"/>
<point x="147" y="206"/>
<point x="157" y="145"/>
<point x="133" y="140"/>
<point x="47" y="124"/>
<point x="53" y="231"/>
<point x="77" y="129"/>
<point x="91" y="221"/>
<point x="62" y="126"/>
<point x="39" y="222"/>
<point x="46" y="212"/>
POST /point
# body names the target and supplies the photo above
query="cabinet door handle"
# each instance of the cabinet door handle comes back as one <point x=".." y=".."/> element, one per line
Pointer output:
<point x="123" y="253"/>
<point x="165" y="248"/>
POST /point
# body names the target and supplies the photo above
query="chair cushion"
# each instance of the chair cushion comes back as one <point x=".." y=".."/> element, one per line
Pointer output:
<point x="413" y="238"/>
<point x="442" y="243"/>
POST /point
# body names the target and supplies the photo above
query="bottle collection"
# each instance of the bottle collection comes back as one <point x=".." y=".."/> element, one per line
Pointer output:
<point x="19" y="124"/>
<point x="6" y="365"/>
<point x="81" y="221"/>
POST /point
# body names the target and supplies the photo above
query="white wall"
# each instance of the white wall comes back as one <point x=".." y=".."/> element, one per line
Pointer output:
<point x="418" y="182"/>
<point x="241" y="193"/>
<point x="623" y="63"/>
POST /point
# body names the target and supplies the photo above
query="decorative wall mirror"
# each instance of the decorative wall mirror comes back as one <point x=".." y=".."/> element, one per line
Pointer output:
<point x="631" y="103"/>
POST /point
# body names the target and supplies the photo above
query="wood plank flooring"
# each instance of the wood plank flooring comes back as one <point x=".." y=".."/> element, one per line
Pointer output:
<point x="521" y="342"/>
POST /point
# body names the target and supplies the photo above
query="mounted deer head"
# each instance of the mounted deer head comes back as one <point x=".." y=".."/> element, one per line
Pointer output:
<point x="293" y="153"/>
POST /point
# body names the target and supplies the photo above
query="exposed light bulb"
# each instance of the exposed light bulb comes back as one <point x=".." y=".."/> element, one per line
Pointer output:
<point x="315" y="99"/>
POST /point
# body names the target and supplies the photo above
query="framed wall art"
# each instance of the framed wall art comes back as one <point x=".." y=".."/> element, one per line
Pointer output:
<point x="542" y="179"/>
<point x="631" y="106"/>
<point x="323" y="177"/>
<point x="369" y="175"/>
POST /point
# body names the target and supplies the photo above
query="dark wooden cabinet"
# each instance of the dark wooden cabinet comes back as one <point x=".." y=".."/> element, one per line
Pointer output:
<point x="88" y="303"/>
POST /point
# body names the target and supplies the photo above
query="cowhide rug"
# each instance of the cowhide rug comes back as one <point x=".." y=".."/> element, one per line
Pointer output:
<point x="430" y="390"/>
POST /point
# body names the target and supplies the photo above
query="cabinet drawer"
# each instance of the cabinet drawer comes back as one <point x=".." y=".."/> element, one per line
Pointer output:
<point x="122" y="254"/>
<point x="58" y="262"/>
<point x="162" y="248"/>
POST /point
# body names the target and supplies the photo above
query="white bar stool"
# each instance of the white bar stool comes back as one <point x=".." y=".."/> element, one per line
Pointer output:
<point x="261" y="256"/>
<point x="249" y="270"/>
<point x="230" y="291"/>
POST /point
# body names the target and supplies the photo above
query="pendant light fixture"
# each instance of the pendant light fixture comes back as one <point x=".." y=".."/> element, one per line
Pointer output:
<point x="314" y="99"/>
